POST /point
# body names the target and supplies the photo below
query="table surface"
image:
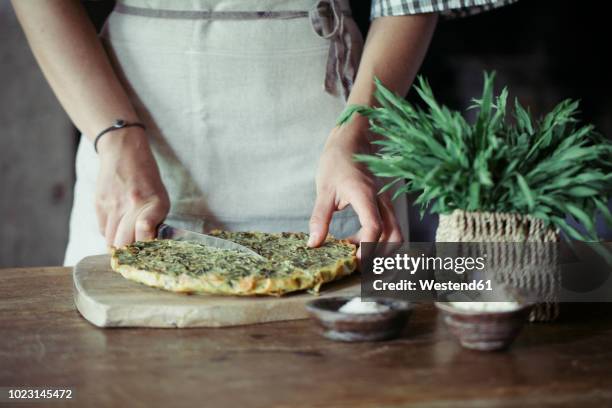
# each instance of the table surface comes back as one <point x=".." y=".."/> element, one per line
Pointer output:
<point x="45" y="342"/>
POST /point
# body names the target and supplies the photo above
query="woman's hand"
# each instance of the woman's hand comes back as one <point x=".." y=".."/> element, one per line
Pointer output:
<point x="341" y="181"/>
<point x="394" y="49"/>
<point x="130" y="197"/>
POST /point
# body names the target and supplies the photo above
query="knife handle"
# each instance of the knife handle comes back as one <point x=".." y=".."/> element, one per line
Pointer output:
<point x="163" y="231"/>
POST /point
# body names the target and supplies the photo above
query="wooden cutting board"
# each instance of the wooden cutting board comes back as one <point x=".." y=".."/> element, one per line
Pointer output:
<point x="107" y="299"/>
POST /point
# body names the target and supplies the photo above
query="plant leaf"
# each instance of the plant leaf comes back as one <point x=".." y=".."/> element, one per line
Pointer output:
<point x="526" y="191"/>
<point x="549" y="167"/>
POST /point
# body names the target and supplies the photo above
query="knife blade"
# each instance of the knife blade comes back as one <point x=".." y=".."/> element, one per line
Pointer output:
<point x="165" y="231"/>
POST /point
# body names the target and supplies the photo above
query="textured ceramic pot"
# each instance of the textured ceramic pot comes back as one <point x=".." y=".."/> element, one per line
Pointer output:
<point x="492" y="227"/>
<point x="342" y="326"/>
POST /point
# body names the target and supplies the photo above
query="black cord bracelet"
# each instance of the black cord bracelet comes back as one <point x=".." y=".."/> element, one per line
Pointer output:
<point x="119" y="124"/>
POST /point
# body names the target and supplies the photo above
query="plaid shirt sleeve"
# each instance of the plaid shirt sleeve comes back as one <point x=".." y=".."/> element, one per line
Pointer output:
<point x="447" y="8"/>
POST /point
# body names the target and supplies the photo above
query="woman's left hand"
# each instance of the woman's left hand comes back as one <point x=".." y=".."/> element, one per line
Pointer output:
<point x="341" y="181"/>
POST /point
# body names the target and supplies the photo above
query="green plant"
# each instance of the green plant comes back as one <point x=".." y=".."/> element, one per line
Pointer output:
<point x="547" y="168"/>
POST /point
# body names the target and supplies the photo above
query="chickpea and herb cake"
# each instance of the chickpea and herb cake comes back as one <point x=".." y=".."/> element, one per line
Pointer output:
<point x="288" y="264"/>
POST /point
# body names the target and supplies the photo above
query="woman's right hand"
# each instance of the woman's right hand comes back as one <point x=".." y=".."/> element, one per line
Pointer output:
<point x="131" y="199"/>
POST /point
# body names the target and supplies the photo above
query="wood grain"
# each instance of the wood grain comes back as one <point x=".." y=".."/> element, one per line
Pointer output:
<point x="45" y="342"/>
<point x="107" y="299"/>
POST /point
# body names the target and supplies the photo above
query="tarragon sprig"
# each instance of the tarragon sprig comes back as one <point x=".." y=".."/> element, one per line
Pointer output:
<point x="548" y="168"/>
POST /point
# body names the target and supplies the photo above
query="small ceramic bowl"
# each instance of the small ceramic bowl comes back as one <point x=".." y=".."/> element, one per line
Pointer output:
<point x="342" y="326"/>
<point x="485" y="331"/>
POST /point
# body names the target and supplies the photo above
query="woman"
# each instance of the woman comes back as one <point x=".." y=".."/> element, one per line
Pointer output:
<point x="239" y="99"/>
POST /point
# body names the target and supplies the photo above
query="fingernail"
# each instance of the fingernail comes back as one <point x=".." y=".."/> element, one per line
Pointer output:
<point x="312" y="239"/>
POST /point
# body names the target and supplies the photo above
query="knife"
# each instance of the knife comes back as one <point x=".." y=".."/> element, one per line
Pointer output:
<point x="165" y="231"/>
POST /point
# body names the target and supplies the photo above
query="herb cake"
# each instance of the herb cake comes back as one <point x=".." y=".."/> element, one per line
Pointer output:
<point x="187" y="266"/>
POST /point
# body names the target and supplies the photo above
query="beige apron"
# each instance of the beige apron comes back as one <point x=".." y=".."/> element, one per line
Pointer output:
<point x="238" y="97"/>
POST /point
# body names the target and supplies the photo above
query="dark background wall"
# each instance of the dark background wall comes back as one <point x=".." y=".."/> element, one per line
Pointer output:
<point x="544" y="50"/>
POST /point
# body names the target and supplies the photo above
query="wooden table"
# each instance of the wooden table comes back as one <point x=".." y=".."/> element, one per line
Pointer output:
<point x="45" y="342"/>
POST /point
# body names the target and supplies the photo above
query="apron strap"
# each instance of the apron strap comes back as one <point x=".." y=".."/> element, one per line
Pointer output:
<point x="327" y="21"/>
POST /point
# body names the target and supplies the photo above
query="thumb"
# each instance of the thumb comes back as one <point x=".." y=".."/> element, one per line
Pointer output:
<point x="147" y="221"/>
<point x="319" y="221"/>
